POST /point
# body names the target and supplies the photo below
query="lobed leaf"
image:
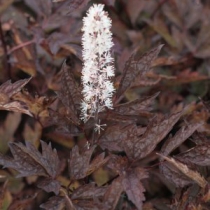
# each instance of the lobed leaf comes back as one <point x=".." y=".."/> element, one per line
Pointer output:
<point x="113" y="137"/>
<point x="199" y="155"/>
<point x="97" y="162"/>
<point x="88" y="191"/>
<point x="89" y="205"/>
<point x="194" y="175"/>
<point x="113" y="194"/>
<point x="54" y="203"/>
<point x="29" y="161"/>
<point x="63" y="122"/>
<point x="37" y="105"/>
<point x="16" y="106"/>
<point x="79" y="164"/>
<point x="118" y="163"/>
<point x="50" y="159"/>
<point x="133" y="187"/>
<point x="49" y="185"/>
<point x="139" y="147"/>
<point x="183" y="134"/>
<point x="8" y="89"/>
<point x="133" y="68"/>
<point x="70" y="93"/>
<point x="172" y="174"/>
<point x="136" y="106"/>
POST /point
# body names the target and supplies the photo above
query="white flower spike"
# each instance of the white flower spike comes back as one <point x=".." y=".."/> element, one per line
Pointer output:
<point x="98" y="63"/>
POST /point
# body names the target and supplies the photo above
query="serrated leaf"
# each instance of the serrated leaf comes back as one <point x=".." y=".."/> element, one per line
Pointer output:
<point x="113" y="137"/>
<point x="70" y="93"/>
<point x="139" y="147"/>
<point x="80" y="165"/>
<point x="133" y="68"/>
<point x="8" y="89"/>
<point x="88" y="191"/>
<point x="29" y="161"/>
<point x="194" y="175"/>
<point x="97" y="162"/>
<point x="174" y="175"/>
<point x="50" y="159"/>
<point x="133" y="187"/>
<point x="183" y="134"/>
<point x="117" y="163"/>
<point x="63" y="122"/>
<point x="199" y="155"/>
<point x="49" y="185"/>
<point x="16" y="106"/>
<point x="122" y="118"/>
<point x="38" y="105"/>
<point x="113" y="194"/>
<point x="54" y="203"/>
<point x="136" y="106"/>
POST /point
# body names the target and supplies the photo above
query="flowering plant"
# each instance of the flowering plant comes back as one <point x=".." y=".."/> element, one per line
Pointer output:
<point x="97" y="68"/>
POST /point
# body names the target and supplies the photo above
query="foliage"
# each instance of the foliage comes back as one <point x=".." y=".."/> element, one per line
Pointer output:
<point x="153" y="152"/>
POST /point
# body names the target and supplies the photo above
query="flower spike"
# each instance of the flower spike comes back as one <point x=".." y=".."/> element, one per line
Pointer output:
<point x="98" y="63"/>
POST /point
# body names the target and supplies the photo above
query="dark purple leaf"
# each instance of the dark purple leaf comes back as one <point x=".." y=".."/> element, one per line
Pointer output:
<point x="133" y="187"/>
<point x="8" y="89"/>
<point x="50" y="159"/>
<point x="184" y="169"/>
<point x="15" y="106"/>
<point x="134" y="68"/>
<point x="88" y="191"/>
<point x="89" y="205"/>
<point x="199" y="155"/>
<point x="174" y="175"/>
<point x="97" y="162"/>
<point x="117" y="163"/>
<point x="63" y="123"/>
<point x="136" y="106"/>
<point x="114" y="135"/>
<point x="113" y="194"/>
<point x="77" y="4"/>
<point x="139" y="147"/>
<point x="49" y="185"/>
<point x="70" y="93"/>
<point x="79" y="163"/>
<point x="183" y="134"/>
<point x="29" y="161"/>
<point x="54" y="203"/>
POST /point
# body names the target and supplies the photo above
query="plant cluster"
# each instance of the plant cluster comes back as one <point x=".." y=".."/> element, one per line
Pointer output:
<point x="115" y="133"/>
